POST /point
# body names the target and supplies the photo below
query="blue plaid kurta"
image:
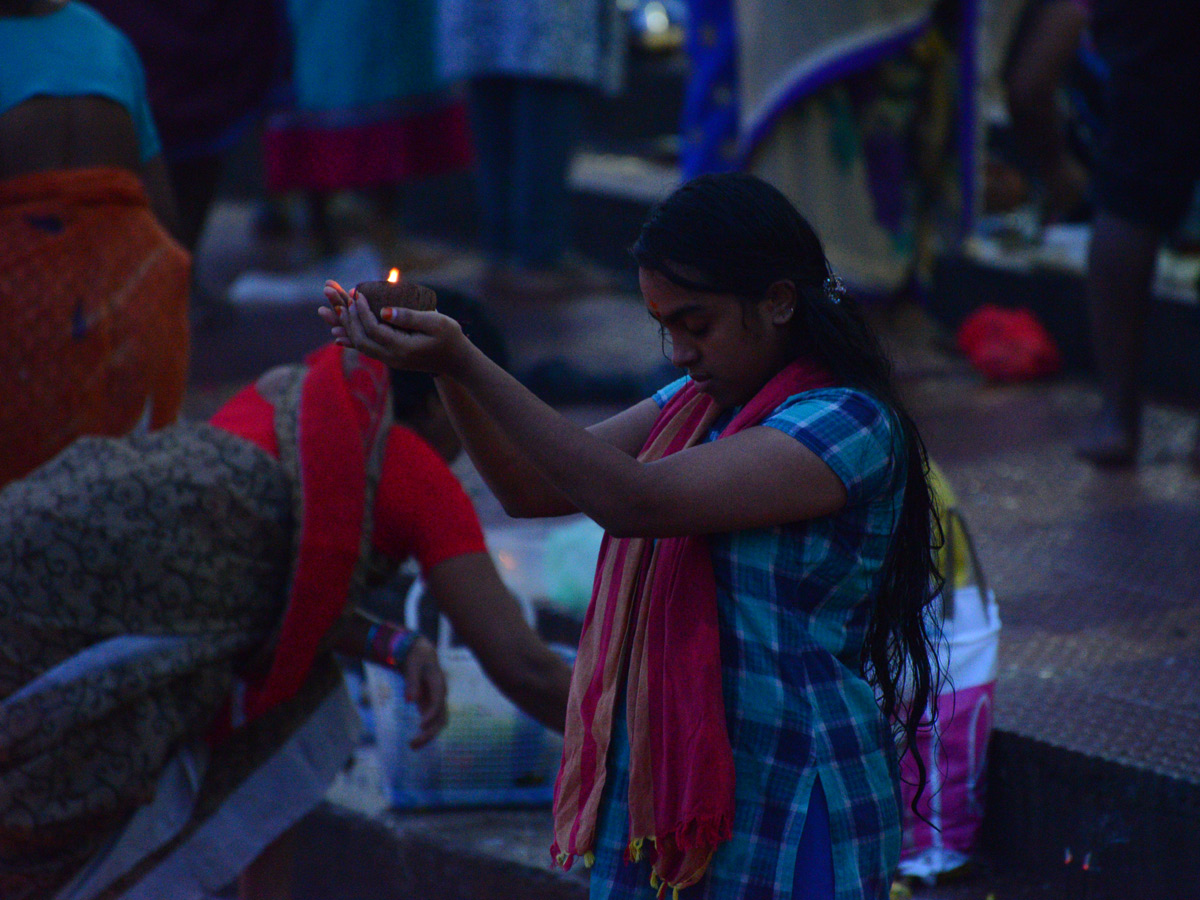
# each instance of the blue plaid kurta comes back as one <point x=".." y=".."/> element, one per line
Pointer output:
<point x="793" y="603"/>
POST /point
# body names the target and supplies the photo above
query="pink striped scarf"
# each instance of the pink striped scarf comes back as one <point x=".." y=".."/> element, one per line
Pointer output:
<point x="654" y="605"/>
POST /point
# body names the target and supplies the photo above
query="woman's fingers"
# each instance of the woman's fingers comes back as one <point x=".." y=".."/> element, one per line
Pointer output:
<point x="408" y="339"/>
<point x="334" y="315"/>
<point x="425" y="685"/>
<point x="354" y="318"/>
<point x="336" y="294"/>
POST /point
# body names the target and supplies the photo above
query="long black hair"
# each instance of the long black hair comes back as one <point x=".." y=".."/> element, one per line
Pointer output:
<point x="736" y="234"/>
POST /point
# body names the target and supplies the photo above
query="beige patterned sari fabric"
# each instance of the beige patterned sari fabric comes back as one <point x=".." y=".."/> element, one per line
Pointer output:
<point x="138" y="578"/>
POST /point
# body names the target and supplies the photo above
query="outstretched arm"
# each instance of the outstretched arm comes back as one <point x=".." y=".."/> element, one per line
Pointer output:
<point x="756" y="478"/>
<point x="522" y="489"/>
<point x="468" y="590"/>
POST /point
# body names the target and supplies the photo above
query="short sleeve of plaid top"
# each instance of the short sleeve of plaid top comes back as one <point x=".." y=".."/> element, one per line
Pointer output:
<point x="794" y="602"/>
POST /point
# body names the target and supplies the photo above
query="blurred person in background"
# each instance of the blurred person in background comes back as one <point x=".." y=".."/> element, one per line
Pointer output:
<point x="93" y="284"/>
<point x="853" y="109"/>
<point x="1044" y="48"/>
<point x="211" y="67"/>
<point x="1147" y="168"/>
<point x="363" y="129"/>
<point x="528" y="66"/>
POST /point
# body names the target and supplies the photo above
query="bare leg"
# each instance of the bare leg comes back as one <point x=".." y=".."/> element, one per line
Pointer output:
<point x="1033" y="87"/>
<point x="269" y="877"/>
<point x="1121" y="264"/>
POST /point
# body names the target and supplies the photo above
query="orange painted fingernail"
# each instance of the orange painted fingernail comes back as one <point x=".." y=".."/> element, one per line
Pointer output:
<point x="387" y="313"/>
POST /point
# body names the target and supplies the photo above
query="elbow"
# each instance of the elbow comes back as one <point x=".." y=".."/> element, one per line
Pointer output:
<point x="628" y="517"/>
<point x="620" y="529"/>
<point x="524" y="507"/>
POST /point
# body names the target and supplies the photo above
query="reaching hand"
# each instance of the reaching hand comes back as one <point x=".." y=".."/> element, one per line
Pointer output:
<point x="425" y="685"/>
<point x="413" y="340"/>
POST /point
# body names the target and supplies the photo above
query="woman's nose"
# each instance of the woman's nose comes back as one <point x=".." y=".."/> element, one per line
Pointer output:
<point x="682" y="353"/>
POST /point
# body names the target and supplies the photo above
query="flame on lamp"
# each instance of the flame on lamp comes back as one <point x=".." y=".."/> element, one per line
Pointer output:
<point x="394" y="276"/>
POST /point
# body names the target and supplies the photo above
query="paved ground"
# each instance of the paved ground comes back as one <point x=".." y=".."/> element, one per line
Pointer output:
<point x="1097" y="573"/>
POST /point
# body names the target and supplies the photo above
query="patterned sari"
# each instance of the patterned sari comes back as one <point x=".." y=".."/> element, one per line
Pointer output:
<point x="861" y="112"/>
<point x="143" y="582"/>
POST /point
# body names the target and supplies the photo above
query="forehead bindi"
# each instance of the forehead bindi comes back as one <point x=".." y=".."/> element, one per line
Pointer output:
<point x="669" y="302"/>
<point x="669" y="314"/>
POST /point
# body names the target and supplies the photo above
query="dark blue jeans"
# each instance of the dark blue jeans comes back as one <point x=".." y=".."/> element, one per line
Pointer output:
<point x="525" y="131"/>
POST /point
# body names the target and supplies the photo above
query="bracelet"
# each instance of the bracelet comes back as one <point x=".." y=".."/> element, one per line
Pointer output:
<point x="401" y="642"/>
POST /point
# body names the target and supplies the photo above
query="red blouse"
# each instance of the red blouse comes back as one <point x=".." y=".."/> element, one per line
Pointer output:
<point x="421" y="510"/>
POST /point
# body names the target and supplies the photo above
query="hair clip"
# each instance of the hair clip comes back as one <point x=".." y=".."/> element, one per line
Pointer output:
<point x="835" y="289"/>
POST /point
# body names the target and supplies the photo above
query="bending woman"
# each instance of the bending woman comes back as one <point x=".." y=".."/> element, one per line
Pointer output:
<point x="762" y="587"/>
<point x="170" y="604"/>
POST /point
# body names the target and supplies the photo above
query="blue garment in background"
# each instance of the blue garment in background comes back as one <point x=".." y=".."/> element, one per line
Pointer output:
<point x="525" y="131"/>
<point x="709" y="127"/>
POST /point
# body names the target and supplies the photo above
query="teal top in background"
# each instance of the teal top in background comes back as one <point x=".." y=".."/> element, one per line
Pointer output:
<point x="74" y="52"/>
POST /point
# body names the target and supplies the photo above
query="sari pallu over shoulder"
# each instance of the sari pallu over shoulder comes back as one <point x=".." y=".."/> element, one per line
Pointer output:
<point x="332" y="417"/>
<point x="654" y="603"/>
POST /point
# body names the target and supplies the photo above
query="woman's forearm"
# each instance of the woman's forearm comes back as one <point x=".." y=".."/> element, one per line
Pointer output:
<point x="538" y="681"/>
<point x="521" y="488"/>
<point x="487" y="618"/>
<point x="597" y="478"/>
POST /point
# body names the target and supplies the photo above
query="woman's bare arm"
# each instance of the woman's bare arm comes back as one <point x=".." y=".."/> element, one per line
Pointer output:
<point x="756" y="478"/>
<point x="520" y="486"/>
<point x="522" y="489"/>
<point x="469" y="591"/>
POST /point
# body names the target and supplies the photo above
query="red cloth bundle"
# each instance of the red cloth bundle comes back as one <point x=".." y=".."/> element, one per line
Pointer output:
<point x="1008" y="345"/>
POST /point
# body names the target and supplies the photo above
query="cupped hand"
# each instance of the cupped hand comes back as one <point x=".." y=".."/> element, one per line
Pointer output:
<point x="425" y="685"/>
<point x="409" y="339"/>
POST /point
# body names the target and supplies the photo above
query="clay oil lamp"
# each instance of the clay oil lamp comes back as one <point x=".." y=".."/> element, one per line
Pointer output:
<point x="394" y="292"/>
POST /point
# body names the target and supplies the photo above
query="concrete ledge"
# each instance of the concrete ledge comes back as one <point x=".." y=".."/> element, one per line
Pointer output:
<point x="1136" y="828"/>
<point x="456" y="855"/>
<point x="1139" y="827"/>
